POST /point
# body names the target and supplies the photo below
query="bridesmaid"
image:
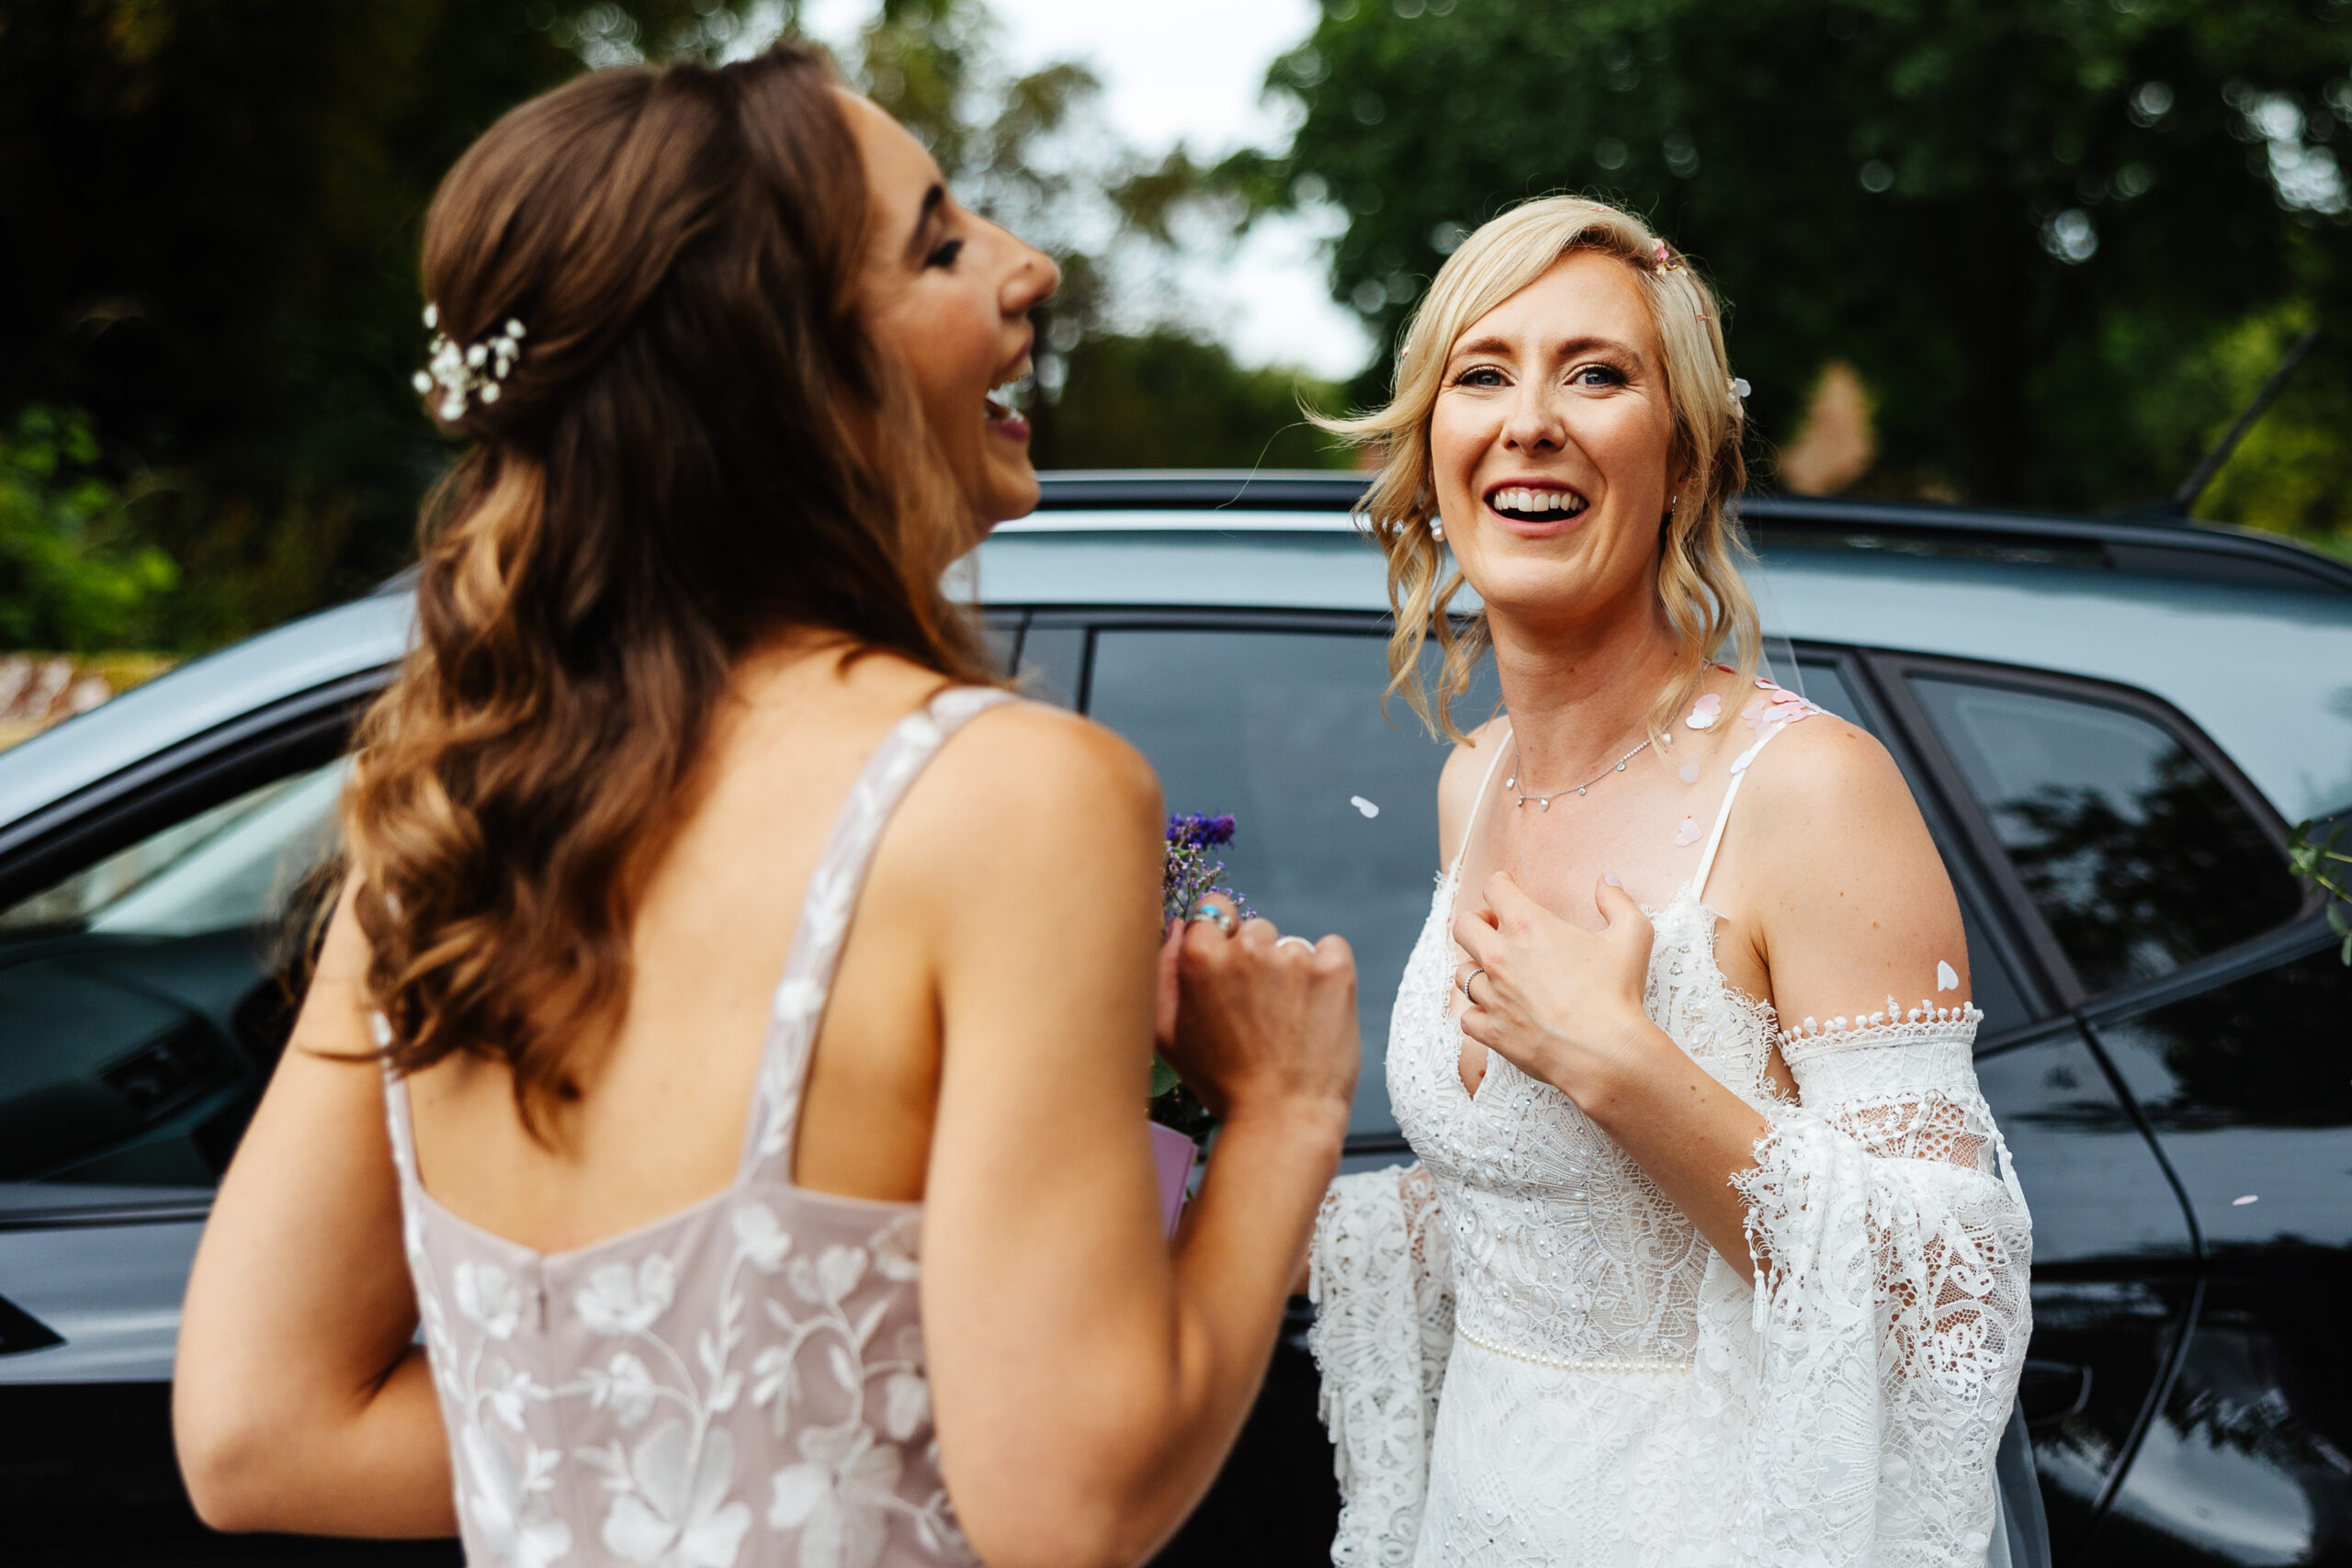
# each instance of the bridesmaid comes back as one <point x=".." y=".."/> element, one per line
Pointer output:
<point x="859" y="1265"/>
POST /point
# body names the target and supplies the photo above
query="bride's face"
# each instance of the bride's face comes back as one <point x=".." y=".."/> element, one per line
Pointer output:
<point x="1551" y="444"/>
<point x="947" y="294"/>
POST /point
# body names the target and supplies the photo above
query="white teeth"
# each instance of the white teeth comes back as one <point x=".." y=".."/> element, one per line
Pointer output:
<point x="1537" y="500"/>
<point x="1012" y="395"/>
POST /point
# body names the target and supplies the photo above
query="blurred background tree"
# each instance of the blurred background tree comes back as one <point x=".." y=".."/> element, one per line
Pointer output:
<point x="2018" y="252"/>
<point x="209" y="283"/>
<point x="2026" y="252"/>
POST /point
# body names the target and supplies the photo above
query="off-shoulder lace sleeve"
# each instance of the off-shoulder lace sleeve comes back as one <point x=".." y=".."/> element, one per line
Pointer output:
<point x="1381" y="1276"/>
<point x="1888" y="1325"/>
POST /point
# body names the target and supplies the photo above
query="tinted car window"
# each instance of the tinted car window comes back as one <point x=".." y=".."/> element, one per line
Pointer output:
<point x="2139" y="859"/>
<point x="1336" y="806"/>
<point x="137" y="1014"/>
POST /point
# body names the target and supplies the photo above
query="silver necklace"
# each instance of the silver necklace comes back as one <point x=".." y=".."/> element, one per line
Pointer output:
<point x="1543" y="802"/>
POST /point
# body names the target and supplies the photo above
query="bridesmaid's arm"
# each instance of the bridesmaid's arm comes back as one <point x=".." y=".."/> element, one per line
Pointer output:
<point x="1089" y="1376"/>
<point x="299" y="1401"/>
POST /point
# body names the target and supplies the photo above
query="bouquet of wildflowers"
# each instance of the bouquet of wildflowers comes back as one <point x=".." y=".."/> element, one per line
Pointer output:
<point x="1189" y="875"/>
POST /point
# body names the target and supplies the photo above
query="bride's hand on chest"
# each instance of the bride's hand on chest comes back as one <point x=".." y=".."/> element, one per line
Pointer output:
<point x="1561" y="1003"/>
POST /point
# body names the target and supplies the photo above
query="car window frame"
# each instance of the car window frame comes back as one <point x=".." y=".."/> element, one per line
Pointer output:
<point x="1890" y="671"/>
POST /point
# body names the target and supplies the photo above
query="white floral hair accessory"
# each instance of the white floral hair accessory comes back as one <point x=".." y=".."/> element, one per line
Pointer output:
<point x="475" y="369"/>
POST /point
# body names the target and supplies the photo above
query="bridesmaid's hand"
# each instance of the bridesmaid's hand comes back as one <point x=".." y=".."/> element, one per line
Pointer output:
<point x="1260" y="1023"/>
<point x="1562" y="1004"/>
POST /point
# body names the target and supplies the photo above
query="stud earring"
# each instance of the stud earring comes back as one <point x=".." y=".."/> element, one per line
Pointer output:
<point x="1437" y="527"/>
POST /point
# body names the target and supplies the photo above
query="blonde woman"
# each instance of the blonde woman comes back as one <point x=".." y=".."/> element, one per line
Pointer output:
<point x="1713" y="1253"/>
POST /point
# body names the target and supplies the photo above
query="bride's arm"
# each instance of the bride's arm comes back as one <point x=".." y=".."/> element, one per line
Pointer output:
<point x="1087" y="1376"/>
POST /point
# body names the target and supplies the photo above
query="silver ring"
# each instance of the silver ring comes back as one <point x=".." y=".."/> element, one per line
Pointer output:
<point x="1475" y="970"/>
<point x="1288" y="941"/>
<point x="1211" y="912"/>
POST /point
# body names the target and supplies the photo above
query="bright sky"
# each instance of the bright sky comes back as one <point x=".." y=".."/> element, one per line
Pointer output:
<point x="1192" y="72"/>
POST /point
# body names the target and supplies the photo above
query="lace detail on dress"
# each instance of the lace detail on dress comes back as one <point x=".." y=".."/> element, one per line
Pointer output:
<point x="1617" y="1393"/>
<point x="1892" y="1327"/>
<point x="1379" y="1269"/>
<point x="747" y="1373"/>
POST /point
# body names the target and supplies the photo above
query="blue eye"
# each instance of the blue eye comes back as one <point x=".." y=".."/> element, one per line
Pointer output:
<point x="1479" y="376"/>
<point x="1608" y="376"/>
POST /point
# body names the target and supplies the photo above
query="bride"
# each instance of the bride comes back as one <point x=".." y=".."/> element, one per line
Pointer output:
<point x="1713" y="1253"/>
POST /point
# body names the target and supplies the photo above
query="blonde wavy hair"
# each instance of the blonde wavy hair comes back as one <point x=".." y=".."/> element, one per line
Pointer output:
<point x="1700" y="552"/>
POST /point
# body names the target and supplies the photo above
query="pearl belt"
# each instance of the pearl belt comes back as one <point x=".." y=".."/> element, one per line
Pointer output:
<point x="1578" y="1363"/>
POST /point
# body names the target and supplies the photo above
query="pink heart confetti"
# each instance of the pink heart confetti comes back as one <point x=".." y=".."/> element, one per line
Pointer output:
<point x="1690" y="834"/>
<point x="1689" y="771"/>
<point x="1767" y="685"/>
<point x="1783" y="697"/>
<point x="1705" y="711"/>
<point x="1754" y="714"/>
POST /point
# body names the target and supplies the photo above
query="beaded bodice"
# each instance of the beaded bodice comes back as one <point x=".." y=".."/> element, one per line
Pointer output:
<point x="1564" y="1250"/>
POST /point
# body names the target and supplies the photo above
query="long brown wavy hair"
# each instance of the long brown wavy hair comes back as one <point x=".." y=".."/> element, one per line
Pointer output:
<point x="687" y="459"/>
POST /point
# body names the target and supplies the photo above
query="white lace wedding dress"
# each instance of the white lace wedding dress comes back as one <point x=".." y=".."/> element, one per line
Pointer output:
<point x="1531" y="1357"/>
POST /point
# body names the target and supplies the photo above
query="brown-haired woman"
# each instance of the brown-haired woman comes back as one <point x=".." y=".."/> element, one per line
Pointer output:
<point x="688" y="710"/>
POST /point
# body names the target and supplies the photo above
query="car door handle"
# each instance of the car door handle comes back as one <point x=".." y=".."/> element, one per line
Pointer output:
<point x="21" y="1331"/>
<point x="2052" y="1390"/>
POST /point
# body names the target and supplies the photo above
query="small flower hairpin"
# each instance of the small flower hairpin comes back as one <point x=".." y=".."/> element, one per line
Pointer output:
<point x="475" y="369"/>
<point x="1663" y="255"/>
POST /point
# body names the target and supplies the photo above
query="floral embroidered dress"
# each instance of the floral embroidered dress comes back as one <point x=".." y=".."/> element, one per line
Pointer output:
<point x="1531" y="1357"/>
<point x="741" y="1382"/>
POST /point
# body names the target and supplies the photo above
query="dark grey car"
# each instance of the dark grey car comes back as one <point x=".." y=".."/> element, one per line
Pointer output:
<point x="2109" y="726"/>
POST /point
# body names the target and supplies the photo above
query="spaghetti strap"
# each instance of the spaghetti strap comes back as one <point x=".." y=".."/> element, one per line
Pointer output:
<point x="825" y="915"/>
<point x="1739" y="766"/>
<point x="1478" y="803"/>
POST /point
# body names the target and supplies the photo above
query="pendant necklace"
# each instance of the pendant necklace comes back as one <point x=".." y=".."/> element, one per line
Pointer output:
<point x="1543" y="802"/>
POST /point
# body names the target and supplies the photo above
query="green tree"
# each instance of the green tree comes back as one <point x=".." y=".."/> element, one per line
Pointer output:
<point x="2056" y="237"/>
<point x="73" y="574"/>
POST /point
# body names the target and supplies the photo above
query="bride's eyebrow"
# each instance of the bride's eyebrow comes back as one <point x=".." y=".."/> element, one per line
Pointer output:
<point x="1608" y="346"/>
<point x="933" y="200"/>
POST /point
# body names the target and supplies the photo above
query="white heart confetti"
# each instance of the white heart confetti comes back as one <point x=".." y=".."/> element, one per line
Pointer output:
<point x="2242" y="1203"/>
<point x="1690" y="833"/>
<point x="1946" y="980"/>
<point x="1689" y="771"/>
<point x="1361" y="803"/>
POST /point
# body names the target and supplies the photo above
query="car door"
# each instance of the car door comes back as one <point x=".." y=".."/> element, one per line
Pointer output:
<point x="2150" y="879"/>
<point x="143" y="930"/>
<point x="1278" y="720"/>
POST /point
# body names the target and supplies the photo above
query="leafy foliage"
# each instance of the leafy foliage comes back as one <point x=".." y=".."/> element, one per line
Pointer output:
<point x="2316" y="855"/>
<point x="2059" y="238"/>
<point x="73" y="575"/>
<point x="214" y="206"/>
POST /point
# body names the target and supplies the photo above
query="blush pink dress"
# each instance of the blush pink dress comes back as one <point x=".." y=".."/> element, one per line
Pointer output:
<point x="741" y="1382"/>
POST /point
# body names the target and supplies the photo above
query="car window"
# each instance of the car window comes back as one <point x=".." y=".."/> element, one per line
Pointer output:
<point x="137" y="1013"/>
<point x="1335" y="806"/>
<point x="2138" y="856"/>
